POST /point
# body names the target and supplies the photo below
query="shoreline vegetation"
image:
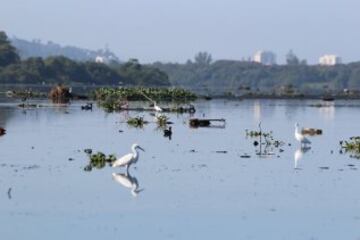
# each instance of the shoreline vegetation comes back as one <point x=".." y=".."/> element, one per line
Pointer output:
<point x="230" y="79"/>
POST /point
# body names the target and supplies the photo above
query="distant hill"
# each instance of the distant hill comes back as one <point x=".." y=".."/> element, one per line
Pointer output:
<point x="36" y="48"/>
<point x="51" y="70"/>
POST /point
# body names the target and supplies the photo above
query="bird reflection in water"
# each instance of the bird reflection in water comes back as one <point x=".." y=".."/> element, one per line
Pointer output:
<point x="127" y="181"/>
<point x="298" y="155"/>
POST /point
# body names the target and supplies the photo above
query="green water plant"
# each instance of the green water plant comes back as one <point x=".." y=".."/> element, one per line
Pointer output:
<point x="136" y="122"/>
<point x="162" y="120"/>
<point x="351" y="146"/>
<point x="99" y="161"/>
<point x="142" y="94"/>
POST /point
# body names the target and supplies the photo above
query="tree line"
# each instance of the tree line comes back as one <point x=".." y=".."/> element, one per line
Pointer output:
<point x="59" y="69"/>
<point x="231" y="75"/>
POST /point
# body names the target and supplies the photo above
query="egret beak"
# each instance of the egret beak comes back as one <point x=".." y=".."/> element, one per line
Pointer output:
<point x="141" y="148"/>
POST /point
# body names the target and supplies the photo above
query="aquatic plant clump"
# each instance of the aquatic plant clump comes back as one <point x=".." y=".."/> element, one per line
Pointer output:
<point x="136" y="121"/>
<point x="99" y="161"/>
<point x="352" y="146"/>
<point x="265" y="141"/>
<point x="141" y="94"/>
<point x="162" y="120"/>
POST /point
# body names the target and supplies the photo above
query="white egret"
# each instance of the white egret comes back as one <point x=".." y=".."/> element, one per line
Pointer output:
<point x="129" y="158"/>
<point x="157" y="108"/>
<point x="300" y="137"/>
<point x="127" y="181"/>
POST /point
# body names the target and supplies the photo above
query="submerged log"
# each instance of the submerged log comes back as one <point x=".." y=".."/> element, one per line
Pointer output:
<point x="195" y="122"/>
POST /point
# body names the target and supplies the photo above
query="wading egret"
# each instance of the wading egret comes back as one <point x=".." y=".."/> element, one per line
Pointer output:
<point x="300" y="137"/>
<point x="127" y="181"/>
<point x="157" y="108"/>
<point x="129" y="158"/>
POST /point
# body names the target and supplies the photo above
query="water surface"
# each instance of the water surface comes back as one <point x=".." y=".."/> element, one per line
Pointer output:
<point x="188" y="189"/>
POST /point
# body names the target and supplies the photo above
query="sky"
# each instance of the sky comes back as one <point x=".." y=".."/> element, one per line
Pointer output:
<point x="175" y="30"/>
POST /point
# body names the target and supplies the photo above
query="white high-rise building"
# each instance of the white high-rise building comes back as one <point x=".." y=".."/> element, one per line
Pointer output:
<point x="265" y="57"/>
<point x="329" y="60"/>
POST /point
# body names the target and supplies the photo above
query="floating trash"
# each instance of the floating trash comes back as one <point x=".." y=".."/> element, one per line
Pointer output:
<point x="196" y="122"/>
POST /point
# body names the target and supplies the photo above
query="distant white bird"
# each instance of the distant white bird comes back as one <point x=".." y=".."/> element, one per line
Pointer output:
<point x="300" y="137"/>
<point x="129" y="158"/>
<point x="157" y="108"/>
<point x="127" y="181"/>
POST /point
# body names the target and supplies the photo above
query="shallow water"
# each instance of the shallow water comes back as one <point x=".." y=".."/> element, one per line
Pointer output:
<point x="188" y="190"/>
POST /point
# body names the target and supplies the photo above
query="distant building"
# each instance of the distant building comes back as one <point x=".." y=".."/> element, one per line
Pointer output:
<point x="99" y="59"/>
<point x="265" y="57"/>
<point x="329" y="60"/>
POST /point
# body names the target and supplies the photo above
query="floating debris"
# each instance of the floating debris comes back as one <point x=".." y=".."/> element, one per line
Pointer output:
<point x="88" y="150"/>
<point x="28" y="105"/>
<point x="9" y="193"/>
<point x="221" y="151"/>
<point x="87" y="107"/>
<point x="196" y="122"/>
<point x="2" y="131"/>
<point x="324" y="168"/>
<point x="245" y="156"/>
<point x="311" y="131"/>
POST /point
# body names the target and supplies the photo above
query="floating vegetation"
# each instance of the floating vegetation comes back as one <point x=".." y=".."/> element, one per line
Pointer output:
<point x="162" y="120"/>
<point x="116" y="99"/>
<point x="140" y="93"/>
<point x="265" y="142"/>
<point x="351" y="146"/>
<point x="99" y="161"/>
<point x="136" y="122"/>
<point x="25" y="94"/>
<point x="60" y="94"/>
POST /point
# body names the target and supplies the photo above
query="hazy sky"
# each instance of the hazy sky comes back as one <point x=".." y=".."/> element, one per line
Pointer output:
<point x="174" y="30"/>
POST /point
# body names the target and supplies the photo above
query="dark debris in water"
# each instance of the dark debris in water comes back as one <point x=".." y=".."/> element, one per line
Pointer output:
<point x="324" y="168"/>
<point x="88" y="150"/>
<point x="221" y="151"/>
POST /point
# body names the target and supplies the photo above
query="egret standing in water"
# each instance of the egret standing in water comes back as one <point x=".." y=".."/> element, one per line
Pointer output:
<point x="157" y="108"/>
<point x="300" y="137"/>
<point x="129" y="158"/>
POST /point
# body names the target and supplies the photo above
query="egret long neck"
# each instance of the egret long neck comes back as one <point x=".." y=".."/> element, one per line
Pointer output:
<point x="134" y="152"/>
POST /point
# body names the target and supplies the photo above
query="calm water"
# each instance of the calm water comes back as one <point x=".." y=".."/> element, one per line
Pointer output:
<point x="189" y="191"/>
